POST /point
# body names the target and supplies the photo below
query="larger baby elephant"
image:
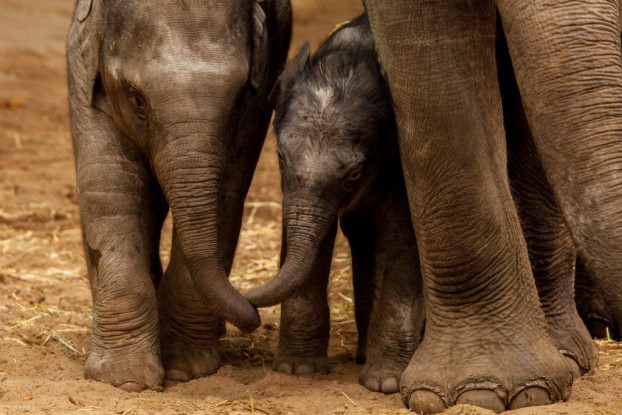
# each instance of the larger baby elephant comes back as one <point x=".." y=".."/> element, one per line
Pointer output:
<point x="168" y="104"/>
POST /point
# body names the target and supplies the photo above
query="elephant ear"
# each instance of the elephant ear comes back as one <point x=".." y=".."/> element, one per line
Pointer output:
<point x="90" y="42"/>
<point x="259" y="60"/>
<point x="297" y="64"/>
<point x="83" y="9"/>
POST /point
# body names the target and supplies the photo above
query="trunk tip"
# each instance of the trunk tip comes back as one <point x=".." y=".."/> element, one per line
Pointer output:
<point x="246" y="319"/>
<point x="250" y="325"/>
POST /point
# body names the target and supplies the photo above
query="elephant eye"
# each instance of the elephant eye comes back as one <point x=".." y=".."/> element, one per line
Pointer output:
<point x="138" y="104"/>
<point x="355" y="175"/>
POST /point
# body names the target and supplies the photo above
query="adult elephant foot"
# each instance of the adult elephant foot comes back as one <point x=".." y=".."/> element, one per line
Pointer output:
<point x="131" y="368"/>
<point x="494" y="367"/>
<point x="570" y="336"/>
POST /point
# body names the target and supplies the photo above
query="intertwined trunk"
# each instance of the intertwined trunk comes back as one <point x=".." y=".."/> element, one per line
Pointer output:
<point x="307" y="220"/>
<point x="190" y="170"/>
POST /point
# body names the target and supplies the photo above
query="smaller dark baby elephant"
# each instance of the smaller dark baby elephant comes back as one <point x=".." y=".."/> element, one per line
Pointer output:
<point x="339" y="161"/>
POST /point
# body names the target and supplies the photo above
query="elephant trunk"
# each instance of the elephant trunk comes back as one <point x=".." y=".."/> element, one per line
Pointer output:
<point x="191" y="180"/>
<point x="306" y="222"/>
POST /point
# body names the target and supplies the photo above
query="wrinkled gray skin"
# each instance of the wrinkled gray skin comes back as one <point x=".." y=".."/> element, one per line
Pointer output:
<point x="486" y="339"/>
<point x="339" y="159"/>
<point x="168" y="105"/>
<point x="550" y="248"/>
<point x="592" y="307"/>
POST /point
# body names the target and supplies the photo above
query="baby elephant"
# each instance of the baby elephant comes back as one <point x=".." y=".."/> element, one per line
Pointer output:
<point x="339" y="160"/>
<point x="169" y="109"/>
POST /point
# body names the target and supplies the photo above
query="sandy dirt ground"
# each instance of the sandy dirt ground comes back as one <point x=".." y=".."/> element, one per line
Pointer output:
<point x="45" y="316"/>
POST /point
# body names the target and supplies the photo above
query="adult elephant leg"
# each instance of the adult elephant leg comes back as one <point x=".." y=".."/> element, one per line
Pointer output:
<point x="398" y="317"/>
<point x="486" y="340"/>
<point x="305" y="318"/>
<point x="359" y="229"/>
<point x="566" y="56"/>
<point x="121" y="220"/>
<point x="551" y="250"/>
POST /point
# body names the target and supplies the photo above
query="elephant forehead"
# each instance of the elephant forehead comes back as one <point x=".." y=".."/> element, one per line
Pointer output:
<point x="211" y="58"/>
<point x="315" y="149"/>
<point x="323" y="96"/>
<point x="204" y="37"/>
<point x="176" y="59"/>
<point x="193" y="39"/>
<point x="216" y="16"/>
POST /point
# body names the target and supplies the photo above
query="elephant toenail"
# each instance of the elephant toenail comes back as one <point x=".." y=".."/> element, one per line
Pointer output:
<point x="575" y="368"/>
<point x="531" y="396"/>
<point x="285" y="368"/>
<point x="390" y="385"/>
<point x="305" y="369"/>
<point x="483" y="398"/>
<point x="372" y="384"/>
<point x="426" y="402"/>
<point x="177" y="375"/>
<point x="131" y="387"/>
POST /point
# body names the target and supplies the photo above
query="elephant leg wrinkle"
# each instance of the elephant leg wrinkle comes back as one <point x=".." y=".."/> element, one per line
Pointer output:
<point x="551" y="250"/>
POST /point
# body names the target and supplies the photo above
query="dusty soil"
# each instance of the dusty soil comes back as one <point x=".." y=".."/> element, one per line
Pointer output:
<point x="45" y="317"/>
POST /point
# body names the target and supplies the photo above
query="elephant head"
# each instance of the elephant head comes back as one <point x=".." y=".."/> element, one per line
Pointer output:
<point x="334" y="127"/>
<point x="175" y="78"/>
